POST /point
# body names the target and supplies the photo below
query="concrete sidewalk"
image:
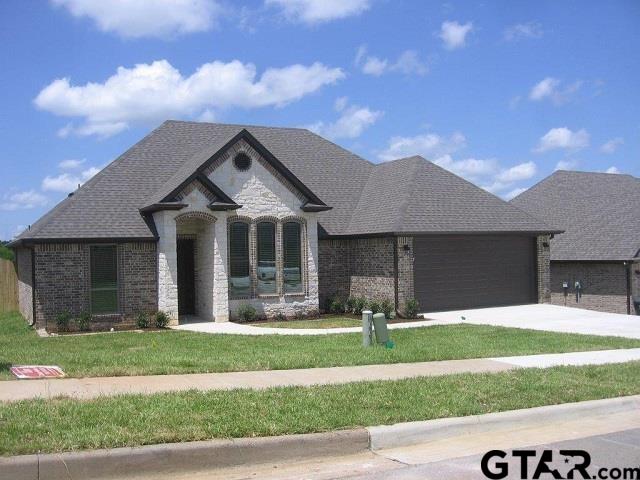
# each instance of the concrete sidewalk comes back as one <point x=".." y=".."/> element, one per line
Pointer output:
<point x="86" y="388"/>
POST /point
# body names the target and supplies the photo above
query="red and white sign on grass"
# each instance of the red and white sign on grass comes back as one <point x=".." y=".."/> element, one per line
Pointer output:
<point x="29" y="372"/>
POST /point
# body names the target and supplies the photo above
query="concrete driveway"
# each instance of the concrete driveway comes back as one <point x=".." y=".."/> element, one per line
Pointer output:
<point x="547" y="317"/>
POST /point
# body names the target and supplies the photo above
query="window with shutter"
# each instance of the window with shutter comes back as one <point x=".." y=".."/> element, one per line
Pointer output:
<point x="104" y="278"/>
<point x="266" y="271"/>
<point x="239" y="280"/>
<point x="291" y="246"/>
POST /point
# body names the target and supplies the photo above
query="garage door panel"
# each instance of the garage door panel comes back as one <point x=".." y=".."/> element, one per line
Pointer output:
<point x="466" y="272"/>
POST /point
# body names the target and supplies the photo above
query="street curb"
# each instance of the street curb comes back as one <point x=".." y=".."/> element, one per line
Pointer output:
<point x="412" y="433"/>
<point x="212" y="454"/>
<point x="182" y="457"/>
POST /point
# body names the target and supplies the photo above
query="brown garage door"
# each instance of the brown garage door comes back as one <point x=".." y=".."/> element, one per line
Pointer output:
<point x="457" y="272"/>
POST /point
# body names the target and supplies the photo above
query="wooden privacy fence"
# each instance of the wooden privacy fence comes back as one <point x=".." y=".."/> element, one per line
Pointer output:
<point x="8" y="286"/>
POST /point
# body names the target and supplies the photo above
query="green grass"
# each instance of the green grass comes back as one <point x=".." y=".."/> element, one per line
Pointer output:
<point x="63" y="424"/>
<point x="324" y="322"/>
<point x="163" y="352"/>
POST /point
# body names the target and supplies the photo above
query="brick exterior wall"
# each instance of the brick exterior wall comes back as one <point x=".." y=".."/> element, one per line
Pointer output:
<point x="405" y="276"/>
<point x="604" y="285"/>
<point x="25" y="283"/>
<point x="543" y="266"/>
<point x="362" y="267"/>
<point x="62" y="277"/>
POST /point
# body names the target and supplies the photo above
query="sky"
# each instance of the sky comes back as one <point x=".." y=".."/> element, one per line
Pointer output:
<point x="500" y="92"/>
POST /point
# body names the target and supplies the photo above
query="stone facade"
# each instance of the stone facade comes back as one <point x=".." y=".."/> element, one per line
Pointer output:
<point x="62" y="278"/>
<point x="264" y="195"/>
<point x="604" y="285"/>
<point x="24" y="266"/>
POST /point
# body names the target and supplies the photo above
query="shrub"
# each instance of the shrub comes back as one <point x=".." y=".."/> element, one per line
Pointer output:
<point x="374" y="306"/>
<point x="337" y="305"/>
<point x="246" y="312"/>
<point x="62" y="321"/>
<point x="6" y="253"/>
<point x="411" y="309"/>
<point x="299" y="315"/>
<point x="142" y="320"/>
<point x="280" y="317"/>
<point x="162" y="319"/>
<point x="84" y="321"/>
<point x="360" y="305"/>
<point x="350" y="306"/>
<point x="386" y="307"/>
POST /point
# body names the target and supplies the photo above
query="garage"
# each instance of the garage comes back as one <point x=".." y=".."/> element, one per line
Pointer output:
<point x="458" y="272"/>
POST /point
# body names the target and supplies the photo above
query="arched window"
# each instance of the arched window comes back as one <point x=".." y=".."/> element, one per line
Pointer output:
<point x="266" y="271"/>
<point x="292" y="253"/>
<point x="239" y="277"/>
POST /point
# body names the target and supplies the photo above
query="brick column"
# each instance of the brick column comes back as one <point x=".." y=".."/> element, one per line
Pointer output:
<point x="220" y="270"/>
<point x="543" y="255"/>
<point x="405" y="272"/>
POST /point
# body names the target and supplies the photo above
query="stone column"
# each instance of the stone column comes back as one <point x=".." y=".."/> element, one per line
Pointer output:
<point x="311" y="238"/>
<point x="167" y="264"/>
<point x="220" y="274"/>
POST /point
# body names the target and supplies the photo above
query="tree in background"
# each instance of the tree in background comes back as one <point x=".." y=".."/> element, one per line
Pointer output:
<point x="5" y="252"/>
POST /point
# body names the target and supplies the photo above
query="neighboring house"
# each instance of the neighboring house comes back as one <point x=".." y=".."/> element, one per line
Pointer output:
<point x="198" y="219"/>
<point x="595" y="263"/>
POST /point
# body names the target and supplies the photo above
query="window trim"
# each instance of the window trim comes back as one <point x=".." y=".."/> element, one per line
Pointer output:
<point x="276" y="256"/>
<point x="118" y="281"/>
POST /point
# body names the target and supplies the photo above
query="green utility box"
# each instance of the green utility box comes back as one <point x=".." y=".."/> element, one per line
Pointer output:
<point x="380" y="328"/>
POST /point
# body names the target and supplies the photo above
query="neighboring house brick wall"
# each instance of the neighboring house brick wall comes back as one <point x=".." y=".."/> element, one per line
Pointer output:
<point x="25" y="283"/>
<point x="543" y="253"/>
<point x="604" y="285"/>
<point x="63" y="283"/>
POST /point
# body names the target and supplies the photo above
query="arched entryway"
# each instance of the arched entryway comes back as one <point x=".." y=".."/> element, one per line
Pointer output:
<point x="195" y="266"/>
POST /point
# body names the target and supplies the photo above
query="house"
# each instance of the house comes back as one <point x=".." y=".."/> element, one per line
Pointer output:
<point x="198" y="219"/>
<point x="595" y="263"/>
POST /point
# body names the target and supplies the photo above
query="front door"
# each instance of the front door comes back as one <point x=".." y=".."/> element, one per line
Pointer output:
<point x="186" y="277"/>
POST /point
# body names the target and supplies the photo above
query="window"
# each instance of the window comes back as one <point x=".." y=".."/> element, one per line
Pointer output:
<point x="239" y="284"/>
<point x="104" y="278"/>
<point x="267" y="258"/>
<point x="291" y="244"/>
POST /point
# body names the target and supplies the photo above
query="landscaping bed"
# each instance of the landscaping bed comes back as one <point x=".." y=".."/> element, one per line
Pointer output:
<point x="169" y="351"/>
<point x="321" y="322"/>
<point x="62" y="424"/>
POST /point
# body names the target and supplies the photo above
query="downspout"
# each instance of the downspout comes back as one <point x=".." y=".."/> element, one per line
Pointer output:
<point x="627" y="266"/>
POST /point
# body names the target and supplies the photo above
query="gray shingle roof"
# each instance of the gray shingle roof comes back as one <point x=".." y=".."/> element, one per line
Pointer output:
<point x="407" y="195"/>
<point x="600" y="213"/>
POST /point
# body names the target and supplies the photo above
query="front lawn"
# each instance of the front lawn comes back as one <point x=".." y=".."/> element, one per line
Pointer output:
<point x="63" y="424"/>
<point x="323" y="322"/>
<point x="163" y="352"/>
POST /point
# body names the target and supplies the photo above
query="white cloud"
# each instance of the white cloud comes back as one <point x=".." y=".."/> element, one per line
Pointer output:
<point x="550" y="88"/>
<point x="522" y="171"/>
<point x="23" y="200"/>
<point x="612" y="169"/>
<point x="612" y="145"/>
<point x="570" y="164"/>
<point x="563" y="138"/>
<point x="352" y="122"/>
<point x="67" y="182"/>
<point x="487" y="172"/>
<point x="454" y="34"/>
<point x="428" y="145"/>
<point x="407" y="63"/>
<point x="318" y="11"/>
<point x="157" y="91"/>
<point x="71" y="164"/>
<point x="513" y="193"/>
<point x="146" y="18"/>
<point x="521" y="31"/>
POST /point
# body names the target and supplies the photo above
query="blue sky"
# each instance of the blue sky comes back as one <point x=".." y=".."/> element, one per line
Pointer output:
<point x="502" y="93"/>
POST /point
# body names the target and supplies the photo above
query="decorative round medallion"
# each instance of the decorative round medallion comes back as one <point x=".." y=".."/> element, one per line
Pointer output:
<point x="242" y="161"/>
